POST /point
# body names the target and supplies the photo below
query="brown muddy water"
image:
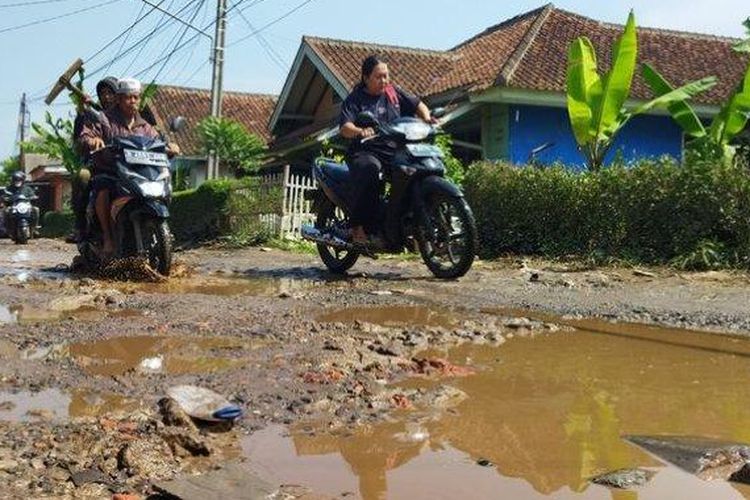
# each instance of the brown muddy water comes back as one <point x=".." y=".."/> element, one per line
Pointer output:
<point x="161" y="354"/>
<point x="56" y="405"/>
<point x="24" y="314"/>
<point x="545" y="414"/>
<point x="222" y="286"/>
<point x="391" y="316"/>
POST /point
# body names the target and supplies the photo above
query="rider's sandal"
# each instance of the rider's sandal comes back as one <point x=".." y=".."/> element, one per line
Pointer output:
<point x="365" y="249"/>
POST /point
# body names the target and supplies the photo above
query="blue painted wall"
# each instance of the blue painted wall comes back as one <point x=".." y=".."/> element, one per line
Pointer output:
<point x="643" y="137"/>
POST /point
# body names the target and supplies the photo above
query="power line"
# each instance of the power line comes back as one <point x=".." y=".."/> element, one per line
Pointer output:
<point x="161" y="26"/>
<point x="55" y="18"/>
<point x="187" y="25"/>
<point x="124" y="32"/>
<point x="277" y="20"/>
<point x="28" y="4"/>
<point x="181" y="46"/>
<point x="138" y="43"/>
<point x="182" y="36"/>
<point x="128" y="31"/>
<point x="189" y="40"/>
<point x="268" y="48"/>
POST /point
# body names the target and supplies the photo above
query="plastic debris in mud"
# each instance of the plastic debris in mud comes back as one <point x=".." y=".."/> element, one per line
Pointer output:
<point x="204" y="404"/>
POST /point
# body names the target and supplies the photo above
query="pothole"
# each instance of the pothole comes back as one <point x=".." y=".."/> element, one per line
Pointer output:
<point x="161" y="354"/>
<point x="392" y="316"/>
<point x="56" y="405"/>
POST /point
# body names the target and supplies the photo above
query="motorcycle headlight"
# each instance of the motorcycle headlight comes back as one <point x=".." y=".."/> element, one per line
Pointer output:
<point x="23" y="208"/>
<point x="413" y="131"/>
<point x="153" y="189"/>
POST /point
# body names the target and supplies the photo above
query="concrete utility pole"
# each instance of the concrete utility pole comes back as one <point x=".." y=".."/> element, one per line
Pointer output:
<point x="216" y="80"/>
<point x="23" y="126"/>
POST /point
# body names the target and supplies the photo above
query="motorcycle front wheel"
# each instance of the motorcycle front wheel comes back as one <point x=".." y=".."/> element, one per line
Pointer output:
<point x="158" y="243"/>
<point x="448" y="242"/>
<point x="23" y="234"/>
<point x="337" y="260"/>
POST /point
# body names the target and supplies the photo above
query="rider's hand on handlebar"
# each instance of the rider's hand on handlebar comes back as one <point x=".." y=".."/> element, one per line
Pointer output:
<point x="173" y="149"/>
<point x="366" y="132"/>
<point x="95" y="144"/>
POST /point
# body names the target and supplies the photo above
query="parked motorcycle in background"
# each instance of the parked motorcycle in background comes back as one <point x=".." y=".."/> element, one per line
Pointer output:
<point x="19" y="216"/>
<point x="420" y="208"/>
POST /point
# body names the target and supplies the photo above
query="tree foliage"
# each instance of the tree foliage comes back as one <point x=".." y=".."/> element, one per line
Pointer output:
<point x="7" y="167"/>
<point x="54" y="138"/>
<point x="242" y="150"/>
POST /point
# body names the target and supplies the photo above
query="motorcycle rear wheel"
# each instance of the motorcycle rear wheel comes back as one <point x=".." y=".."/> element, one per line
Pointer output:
<point x="449" y="249"/>
<point x="337" y="261"/>
<point x="158" y="243"/>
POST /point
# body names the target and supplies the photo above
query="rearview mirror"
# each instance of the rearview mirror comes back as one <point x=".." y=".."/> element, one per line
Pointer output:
<point x="438" y="112"/>
<point x="366" y="119"/>
<point x="177" y="124"/>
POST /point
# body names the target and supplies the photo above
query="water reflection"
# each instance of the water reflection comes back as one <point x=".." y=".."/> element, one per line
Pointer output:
<point x="549" y="412"/>
<point x="57" y="405"/>
<point x="391" y="316"/>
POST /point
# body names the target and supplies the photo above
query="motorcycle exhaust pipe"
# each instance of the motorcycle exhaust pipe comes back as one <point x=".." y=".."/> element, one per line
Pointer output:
<point x="311" y="233"/>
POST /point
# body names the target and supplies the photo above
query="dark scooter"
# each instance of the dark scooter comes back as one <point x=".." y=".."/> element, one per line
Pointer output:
<point x="19" y="216"/>
<point x="419" y="207"/>
<point x="139" y="213"/>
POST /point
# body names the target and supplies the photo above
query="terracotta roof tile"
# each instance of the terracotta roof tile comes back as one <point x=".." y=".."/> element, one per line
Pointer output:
<point x="251" y="110"/>
<point x="529" y="51"/>
<point x="414" y="69"/>
<point x="680" y="57"/>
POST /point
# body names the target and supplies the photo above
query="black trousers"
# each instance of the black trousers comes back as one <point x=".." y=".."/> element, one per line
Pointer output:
<point x="365" y="175"/>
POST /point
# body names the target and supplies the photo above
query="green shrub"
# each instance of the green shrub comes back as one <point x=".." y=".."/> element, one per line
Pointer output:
<point x="57" y="224"/>
<point x="200" y="214"/>
<point x="653" y="212"/>
<point x="223" y="208"/>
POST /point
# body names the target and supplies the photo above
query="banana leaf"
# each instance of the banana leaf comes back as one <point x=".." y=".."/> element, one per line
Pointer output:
<point x="680" y="94"/>
<point x="733" y="117"/>
<point x="618" y="81"/>
<point x="584" y="89"/>
<point x="681" y="111"/>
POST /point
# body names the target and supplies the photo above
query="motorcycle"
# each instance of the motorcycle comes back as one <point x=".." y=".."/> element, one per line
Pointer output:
<point x="19" y="216"/>
<point x="419" y="208"/>
<point x="139" y="214"/>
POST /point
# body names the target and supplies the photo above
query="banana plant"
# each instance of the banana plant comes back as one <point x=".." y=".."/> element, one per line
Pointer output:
<point x="744" y="45"/>
<point x="726" y="125"/>
<point x="596" y="104"/>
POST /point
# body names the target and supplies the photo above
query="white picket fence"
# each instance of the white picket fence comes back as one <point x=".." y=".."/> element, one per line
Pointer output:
<point x="294" y="209"/>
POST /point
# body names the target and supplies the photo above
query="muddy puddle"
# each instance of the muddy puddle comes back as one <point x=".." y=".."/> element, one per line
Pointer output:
<point x="56" y="405"/>
<point x="544" y="415"/>
<point x="391" y="316"/>
<point x="221" y="286"/>
<point x="24" y="314"/>
<point x="161" y="354"/>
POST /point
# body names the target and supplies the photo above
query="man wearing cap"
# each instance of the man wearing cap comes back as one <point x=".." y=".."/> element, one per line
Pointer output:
<point x="106" y="91"/>
<point x="122" y="120"/>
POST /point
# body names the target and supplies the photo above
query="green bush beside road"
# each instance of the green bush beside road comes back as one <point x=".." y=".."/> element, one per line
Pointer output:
<point x="695" y="216"/>
<point x="223" y="208"/>
<point x="57" y="224"/>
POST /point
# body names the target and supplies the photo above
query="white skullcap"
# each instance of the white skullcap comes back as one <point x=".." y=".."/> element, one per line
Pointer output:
<point x="128" y="86"/>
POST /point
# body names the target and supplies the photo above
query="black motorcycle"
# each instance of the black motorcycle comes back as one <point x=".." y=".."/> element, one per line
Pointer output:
<point x="19" y="216"/>
<point x="139" y="213"/>
<point x="419" y="208"/>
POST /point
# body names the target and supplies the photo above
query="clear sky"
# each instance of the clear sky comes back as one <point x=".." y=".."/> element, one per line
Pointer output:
<point x="32" y="57"/>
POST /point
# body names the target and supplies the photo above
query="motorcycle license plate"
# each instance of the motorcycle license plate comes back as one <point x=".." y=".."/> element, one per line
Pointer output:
<point x="424" y="150"/>
<point x="135" y="157"/>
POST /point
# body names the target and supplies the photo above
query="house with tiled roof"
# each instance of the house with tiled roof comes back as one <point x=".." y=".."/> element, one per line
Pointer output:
<point x="505" y="87"/>
<point x="251" y="110"/>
